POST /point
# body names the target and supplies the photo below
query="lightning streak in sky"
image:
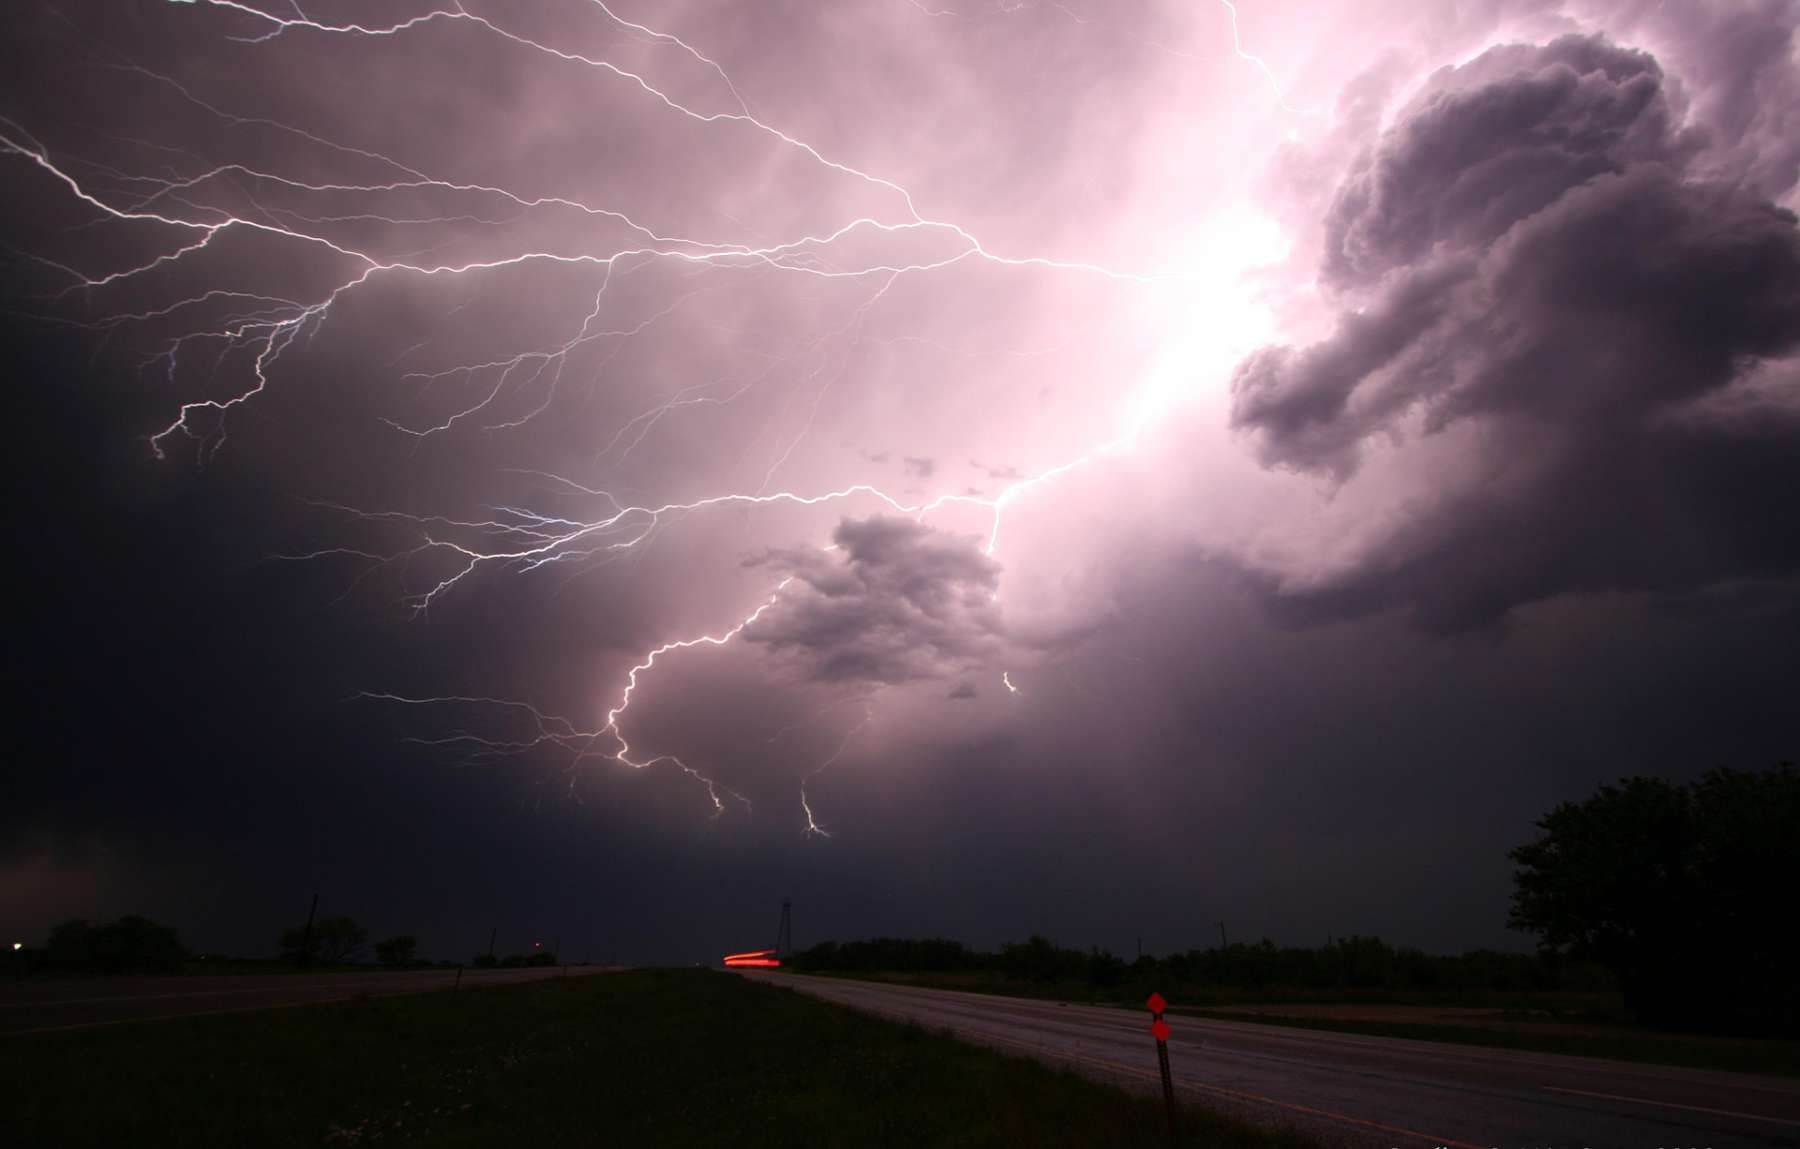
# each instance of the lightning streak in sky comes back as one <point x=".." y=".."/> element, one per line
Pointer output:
<point x="812" y="825"/>
<point x="209" y="204"/>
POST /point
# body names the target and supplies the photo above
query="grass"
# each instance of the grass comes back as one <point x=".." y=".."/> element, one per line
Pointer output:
<point x="672" y="1058"/>
<point x="1630" y="1042"/>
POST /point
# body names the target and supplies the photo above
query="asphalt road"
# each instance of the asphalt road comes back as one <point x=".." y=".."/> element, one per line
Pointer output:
<point x="52" y="1006"/>
<point x="1349" y="1089"/>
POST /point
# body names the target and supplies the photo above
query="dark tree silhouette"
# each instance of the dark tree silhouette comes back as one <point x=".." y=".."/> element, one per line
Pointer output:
<point x="133" y="944"/>
<point x="396" y="951"/>
<point x="1684" y="892"/>
<point x="336" y="939"/>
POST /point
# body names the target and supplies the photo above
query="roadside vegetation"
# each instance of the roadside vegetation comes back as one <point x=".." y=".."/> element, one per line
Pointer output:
<point x="1660" y="911"/>
<point x="672" y="1058"/>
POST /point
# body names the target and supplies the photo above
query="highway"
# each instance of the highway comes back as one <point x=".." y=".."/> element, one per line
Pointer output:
<point x="28" y="1007"/>
<point x="1349" y="1089"/>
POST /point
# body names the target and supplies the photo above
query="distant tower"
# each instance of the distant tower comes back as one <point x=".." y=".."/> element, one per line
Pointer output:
<point x="784" y="937"/>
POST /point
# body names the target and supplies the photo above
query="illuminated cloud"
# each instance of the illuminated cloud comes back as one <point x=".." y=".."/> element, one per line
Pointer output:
<point x="1538" y="253"/>
<point x="893" y="601"/>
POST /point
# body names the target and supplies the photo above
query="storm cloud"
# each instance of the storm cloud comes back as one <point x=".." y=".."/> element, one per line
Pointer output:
<point x="1129" y="485"/>
<point x="891" y="601"/>
<point x="1538" y="253"/>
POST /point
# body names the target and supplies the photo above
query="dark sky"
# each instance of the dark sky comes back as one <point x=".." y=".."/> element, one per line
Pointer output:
<point x="1168" y="478"/>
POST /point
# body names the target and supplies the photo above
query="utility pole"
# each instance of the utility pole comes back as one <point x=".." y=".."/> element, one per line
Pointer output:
<point x="1223" y="944"/>
<point x="492" y="934"/>
<point x="306" y="938"/>
<point x="784" y="936"/>
<point x="1140" y="945"/>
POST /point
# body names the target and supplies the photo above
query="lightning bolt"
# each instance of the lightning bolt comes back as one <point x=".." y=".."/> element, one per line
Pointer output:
<point x="813" y="829"/>
<point x="1237" y="45"/>
<point x="187" y="206"/>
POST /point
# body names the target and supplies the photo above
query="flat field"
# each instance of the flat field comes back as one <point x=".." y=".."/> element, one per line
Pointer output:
<point x="653" y="1057"/>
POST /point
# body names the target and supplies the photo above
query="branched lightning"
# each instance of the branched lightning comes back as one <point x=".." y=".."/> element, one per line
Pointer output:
<point x="183" y="199"/>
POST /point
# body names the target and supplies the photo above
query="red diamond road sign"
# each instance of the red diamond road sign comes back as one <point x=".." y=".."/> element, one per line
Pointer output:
<point x="1159" y="1029"/>
<point x="1156" y="1003"/>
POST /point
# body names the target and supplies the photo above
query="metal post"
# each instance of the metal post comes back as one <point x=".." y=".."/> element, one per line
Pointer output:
<point x="306" y="938"/>
<point x="458" y="984"/>
<point x="1168" y="1083"/>
<point x="1159" y="1029"/>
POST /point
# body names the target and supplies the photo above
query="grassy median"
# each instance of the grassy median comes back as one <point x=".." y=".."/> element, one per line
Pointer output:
<point x="641" y="1058"/>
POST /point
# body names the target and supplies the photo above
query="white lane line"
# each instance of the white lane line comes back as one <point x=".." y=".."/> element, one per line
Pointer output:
<point x="1673" y="1105"/>
<point x="326" y="985"/>
<point x="413" y="981"/>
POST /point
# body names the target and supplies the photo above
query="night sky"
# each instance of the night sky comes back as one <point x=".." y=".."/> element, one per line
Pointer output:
<point x="1113" y="469"/>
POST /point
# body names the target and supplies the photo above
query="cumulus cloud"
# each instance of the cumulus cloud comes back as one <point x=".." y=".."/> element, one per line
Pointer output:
<point x="1544" y="252"/>
<point x="892" y="601"/>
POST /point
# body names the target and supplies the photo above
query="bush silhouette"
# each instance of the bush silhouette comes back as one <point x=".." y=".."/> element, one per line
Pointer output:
<point x="1682" y="891"/>
<point x="337" y="939"/>
<point x="133" y="944"/>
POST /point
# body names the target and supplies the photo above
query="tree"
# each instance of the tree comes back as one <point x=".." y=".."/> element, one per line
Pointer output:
<point x="133" y="944"/>
<point x="402" y="950"/>
<point x="1681" y="891"/>
<point x="336" y="939"/>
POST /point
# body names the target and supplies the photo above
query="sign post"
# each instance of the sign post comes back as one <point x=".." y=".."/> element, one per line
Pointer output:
<point x="1159" y="1029"/>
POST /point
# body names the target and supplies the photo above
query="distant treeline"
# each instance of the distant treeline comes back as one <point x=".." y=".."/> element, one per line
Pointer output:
<point x="1350" y="963"/>
<point x="134" y="944"/>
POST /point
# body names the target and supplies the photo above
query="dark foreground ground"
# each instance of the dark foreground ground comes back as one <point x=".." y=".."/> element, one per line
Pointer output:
<point x="638" y="1058"/>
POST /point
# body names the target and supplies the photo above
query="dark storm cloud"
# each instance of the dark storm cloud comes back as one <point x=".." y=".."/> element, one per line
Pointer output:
<point x="962" y="691"/>
<point x="1540" y="253"/>
<point x="1491" y="144"/>
<point x="894" y="601"/>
